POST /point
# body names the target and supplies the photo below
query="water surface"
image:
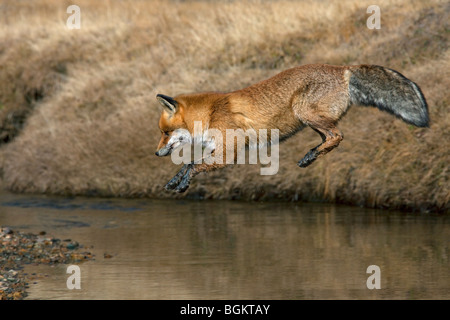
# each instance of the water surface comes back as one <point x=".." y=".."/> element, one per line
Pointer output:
<point x="172" y="249"/>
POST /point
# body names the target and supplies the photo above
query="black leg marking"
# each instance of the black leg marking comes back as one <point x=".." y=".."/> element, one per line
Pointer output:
<point x="185" y="182"/>
<point x="331" y="137"/>
<point x="324" y="137"/>
<point x="176" y="179"/>
<point x="309" y="158"/>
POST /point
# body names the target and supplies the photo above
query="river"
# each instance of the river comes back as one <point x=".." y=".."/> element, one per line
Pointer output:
<point x="180" y="249"/>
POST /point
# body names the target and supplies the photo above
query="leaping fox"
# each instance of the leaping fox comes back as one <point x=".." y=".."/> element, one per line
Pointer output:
<point x="312" y="95"/>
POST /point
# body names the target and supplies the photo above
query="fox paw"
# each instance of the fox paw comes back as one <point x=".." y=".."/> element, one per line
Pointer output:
<point x="307" y="159"/>
<point x="184" y="183"/>
<point x="180" y="182"/>
<point x="172" y="184"/>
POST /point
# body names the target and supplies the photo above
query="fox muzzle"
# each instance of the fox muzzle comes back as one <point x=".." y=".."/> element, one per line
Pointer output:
<point x="165" y="151"/>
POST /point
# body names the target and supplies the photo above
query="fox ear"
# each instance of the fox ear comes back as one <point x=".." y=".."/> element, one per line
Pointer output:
<point x="169" y="104"/>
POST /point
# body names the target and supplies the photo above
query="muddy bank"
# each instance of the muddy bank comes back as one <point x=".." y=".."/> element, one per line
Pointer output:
<point x="18" y="249"/>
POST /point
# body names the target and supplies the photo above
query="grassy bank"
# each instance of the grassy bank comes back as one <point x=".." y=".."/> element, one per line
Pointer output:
<point x="79" y="115"/>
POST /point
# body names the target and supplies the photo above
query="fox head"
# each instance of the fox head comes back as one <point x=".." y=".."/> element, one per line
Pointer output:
<point x="173" y="128"/>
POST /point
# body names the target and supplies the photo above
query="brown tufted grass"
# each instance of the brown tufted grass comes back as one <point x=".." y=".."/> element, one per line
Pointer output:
<point x="79" y="115"/>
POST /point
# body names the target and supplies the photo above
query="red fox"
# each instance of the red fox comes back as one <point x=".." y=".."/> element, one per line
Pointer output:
<point x="312" y="95"/>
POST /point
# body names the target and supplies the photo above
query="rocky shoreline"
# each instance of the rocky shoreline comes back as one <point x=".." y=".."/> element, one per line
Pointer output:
<point x="18" y="249"/>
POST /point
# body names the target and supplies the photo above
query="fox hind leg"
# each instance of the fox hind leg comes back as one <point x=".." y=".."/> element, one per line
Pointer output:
<point x="331" y="137"/>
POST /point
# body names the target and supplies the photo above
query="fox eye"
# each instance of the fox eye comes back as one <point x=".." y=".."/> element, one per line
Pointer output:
<point x="166" y="133"/>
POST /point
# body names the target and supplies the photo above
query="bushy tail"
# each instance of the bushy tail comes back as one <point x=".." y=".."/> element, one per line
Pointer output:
<point x="390" y="91"/>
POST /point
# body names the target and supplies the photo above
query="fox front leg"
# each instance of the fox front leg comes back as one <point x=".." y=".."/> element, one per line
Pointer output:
<point x="191" y="171"/>
<point x="183" y="178"/>
<point x="181" y="181"/>
<point x="186" y="179"/>
<point x="176" y="180"/>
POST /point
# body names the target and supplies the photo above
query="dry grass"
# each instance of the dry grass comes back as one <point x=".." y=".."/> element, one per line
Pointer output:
<point x="79" y="115"/>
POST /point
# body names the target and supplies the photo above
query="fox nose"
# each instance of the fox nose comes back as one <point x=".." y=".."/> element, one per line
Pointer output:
<point x="162" y="152"/>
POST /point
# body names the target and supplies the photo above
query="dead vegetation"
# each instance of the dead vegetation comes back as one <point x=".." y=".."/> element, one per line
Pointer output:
<point x="78" y="113"/>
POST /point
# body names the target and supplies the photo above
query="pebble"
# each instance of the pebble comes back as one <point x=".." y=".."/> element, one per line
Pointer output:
<point x="18" y="249"/>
